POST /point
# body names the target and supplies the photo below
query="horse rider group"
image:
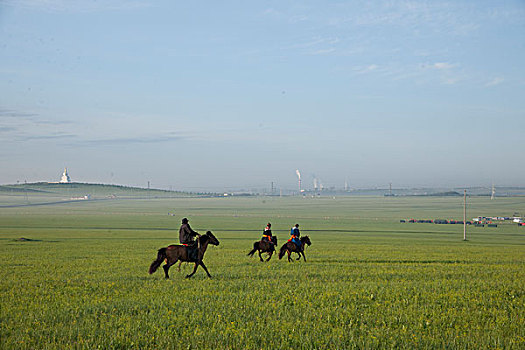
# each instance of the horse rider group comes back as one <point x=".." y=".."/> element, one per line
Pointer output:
<point x="187" y="237"/>
<point x="294" y="235"/>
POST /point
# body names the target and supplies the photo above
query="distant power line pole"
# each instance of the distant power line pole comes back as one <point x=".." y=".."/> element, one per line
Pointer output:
<point x="464" y="215"/>
<point x="25" y="193"/>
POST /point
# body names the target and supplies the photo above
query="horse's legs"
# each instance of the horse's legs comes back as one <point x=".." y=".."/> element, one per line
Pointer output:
<point x="289" y="253"/>
<point x="167" y="266"/>
<point x="180" y="263"/>
<point x="260" y="257"/>
<point x="304" y="256"/>
<point x="194" y="269"/>
<point x="205" y="269"/>
<point x="270" y="256"/>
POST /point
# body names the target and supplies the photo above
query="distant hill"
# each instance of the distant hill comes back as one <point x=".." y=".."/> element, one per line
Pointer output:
<point x="77" y="189"/>
<point x="17" y="189"/>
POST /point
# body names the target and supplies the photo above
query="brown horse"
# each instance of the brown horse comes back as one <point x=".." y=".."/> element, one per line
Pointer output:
<point x="174" y="253"/>
<point x="290" y="247"/>
<point x="263" y="246"/>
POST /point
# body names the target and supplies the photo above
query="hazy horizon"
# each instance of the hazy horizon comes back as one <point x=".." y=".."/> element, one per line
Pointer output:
<point x="236" y="95"/>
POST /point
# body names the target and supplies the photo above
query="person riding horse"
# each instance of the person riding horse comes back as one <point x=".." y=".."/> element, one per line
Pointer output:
<point x="295" y="234"/>
<point x="186" y="237"/>
<point x="267" y="234"/>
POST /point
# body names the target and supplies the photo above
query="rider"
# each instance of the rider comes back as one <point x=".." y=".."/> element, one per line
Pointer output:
<point x="295" y="234"/>
<point x="267" y="233"/>
<point x="186" y="237"/>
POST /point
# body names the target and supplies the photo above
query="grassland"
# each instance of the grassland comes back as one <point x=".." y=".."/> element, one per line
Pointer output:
<point x="80" y="280"/>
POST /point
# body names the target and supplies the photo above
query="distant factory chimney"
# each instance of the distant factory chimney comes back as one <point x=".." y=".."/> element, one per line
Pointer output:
<point x="299" y="176"/>
<point x="493" y="194"/>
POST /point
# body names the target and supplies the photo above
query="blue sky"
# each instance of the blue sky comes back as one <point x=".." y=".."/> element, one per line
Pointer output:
<point x="213" y="95"/>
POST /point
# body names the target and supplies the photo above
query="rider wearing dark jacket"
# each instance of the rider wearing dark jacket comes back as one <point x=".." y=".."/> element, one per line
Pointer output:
<point x="186" y="234"/>
<point x="186" y="237"/>
<point x="267" y="233"/>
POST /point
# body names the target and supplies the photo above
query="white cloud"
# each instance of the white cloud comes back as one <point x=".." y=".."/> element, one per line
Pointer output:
<point x="443" y="65"/>
<point x="366" y="69"/>
<point x="323" y="52"/>
<point x="272" y="12"/>
<point x="451" y="80"/>
<point x="495" y="81"/>
<point x="298" y="18"/>
<point x="316" y="41"/>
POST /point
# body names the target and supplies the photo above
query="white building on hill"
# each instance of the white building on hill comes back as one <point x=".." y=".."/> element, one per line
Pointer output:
<point x="65" y="177"/>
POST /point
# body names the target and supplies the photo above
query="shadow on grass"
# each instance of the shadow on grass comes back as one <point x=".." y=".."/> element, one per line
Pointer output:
<point x="24" y="240"/>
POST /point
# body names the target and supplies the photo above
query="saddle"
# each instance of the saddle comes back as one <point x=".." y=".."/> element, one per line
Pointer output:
<point x="193" y="251"/>
<point x="295" y="240"/>
<point x="266" y="238"/>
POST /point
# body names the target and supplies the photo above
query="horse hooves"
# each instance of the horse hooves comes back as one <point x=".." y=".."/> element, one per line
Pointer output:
<point x="188" y="276"/>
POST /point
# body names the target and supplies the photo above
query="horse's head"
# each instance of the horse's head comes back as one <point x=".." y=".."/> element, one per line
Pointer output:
<point x="306" y="239"/>
<point x="212" y="239"/>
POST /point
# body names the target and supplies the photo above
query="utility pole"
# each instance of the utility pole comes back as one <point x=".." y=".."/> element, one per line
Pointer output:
<point x="25" y="192"/>
<point x="464" y="215"/>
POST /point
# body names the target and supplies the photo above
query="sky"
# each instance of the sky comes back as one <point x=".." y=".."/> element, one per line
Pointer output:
<point x="231" y="95"/>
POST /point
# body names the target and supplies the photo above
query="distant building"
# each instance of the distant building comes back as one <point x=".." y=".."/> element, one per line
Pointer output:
<point x="65" y="177"/>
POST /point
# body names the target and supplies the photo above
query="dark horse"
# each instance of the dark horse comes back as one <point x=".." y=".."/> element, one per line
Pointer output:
<point x="263" y="246"/>
<point x="290" y="247"/>
<point x="174" y="253"/>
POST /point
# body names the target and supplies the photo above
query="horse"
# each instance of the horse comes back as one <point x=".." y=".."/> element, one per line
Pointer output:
<point x="290" y="247"/>
<point x="174" y="253"/>
<point x="263" y="246"/>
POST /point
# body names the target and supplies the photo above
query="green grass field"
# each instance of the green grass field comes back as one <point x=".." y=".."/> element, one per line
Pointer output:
<point x="80" y="279"/>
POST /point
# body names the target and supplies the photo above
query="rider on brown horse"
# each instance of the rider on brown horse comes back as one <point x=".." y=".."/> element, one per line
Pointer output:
<point x="295" y="234"/>
<point x="267" y="234"/>
<point x="266" y="244"/>
<point x="186" y="237"/>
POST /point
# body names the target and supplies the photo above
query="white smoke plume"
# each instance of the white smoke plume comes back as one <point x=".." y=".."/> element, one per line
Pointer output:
<point x="298" y="174"/>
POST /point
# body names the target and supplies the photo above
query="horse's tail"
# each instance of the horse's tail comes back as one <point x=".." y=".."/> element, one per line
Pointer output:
<point x="255" y="246"/>
<point x="282" y="251"/>
<point x="161" y="255"/>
